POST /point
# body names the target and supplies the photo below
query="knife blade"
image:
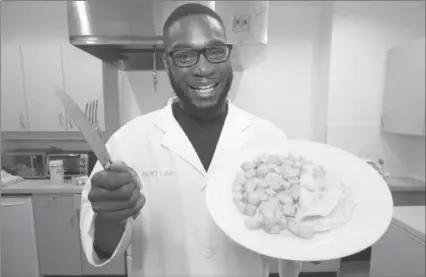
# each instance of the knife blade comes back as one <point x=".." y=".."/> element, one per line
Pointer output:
<point x="91" y="136"/>
<point x="86" y="128"/>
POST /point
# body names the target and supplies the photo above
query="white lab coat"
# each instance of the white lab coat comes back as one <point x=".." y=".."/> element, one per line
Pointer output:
<point x="174" y="234"/>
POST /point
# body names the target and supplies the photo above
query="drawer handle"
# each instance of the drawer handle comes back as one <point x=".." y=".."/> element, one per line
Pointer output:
<point x="21" y="120"/>
<point x="60" y="119"/>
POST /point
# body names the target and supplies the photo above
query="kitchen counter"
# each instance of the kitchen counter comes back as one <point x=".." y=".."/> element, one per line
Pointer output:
<point x="412" y="219"/>
<point x="40" y="187"/>
<point x="410" y="184"/>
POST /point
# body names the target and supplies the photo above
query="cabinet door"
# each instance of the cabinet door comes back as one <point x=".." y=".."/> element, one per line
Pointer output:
<point x="84" y="83"/>
<point x="13" y="107"/>
<point x="404" y="98"/>
<point x="398" y="254"/>
<point x="115" y="267"/>
<point x="43" y="74"/>
<point x="57" y="235"/>
<point x="18" y="250"/>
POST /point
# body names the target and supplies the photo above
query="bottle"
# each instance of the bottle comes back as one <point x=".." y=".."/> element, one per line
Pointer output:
<point x="56" y="170"/>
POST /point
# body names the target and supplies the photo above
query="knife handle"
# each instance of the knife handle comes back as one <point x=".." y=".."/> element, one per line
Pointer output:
<point x="138" y="183"/>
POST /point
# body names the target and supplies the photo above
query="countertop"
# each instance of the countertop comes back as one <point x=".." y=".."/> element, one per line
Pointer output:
<point x="40" y="187"/>
<point x="411" y="219"/>
<point x="406" y="184"/>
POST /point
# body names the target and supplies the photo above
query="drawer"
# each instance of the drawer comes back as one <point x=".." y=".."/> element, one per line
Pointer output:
<point x="52" y="200"/>
<point x="77" y="201"/>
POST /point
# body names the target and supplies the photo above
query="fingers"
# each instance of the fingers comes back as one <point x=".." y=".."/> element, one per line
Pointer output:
<point x="119" y="166"/>
<point x="111" y="180"/>
<point x="125" y="213"/>
<point x="115" y="192"/>
<point x="116" y="205"/>
<point x="124" y="193"/>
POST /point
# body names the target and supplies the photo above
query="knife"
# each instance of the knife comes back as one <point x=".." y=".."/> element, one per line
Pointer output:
<point x="90" y="135"/>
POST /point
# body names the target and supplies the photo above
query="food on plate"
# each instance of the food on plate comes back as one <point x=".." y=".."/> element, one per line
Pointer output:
<point x="288" y="193"/>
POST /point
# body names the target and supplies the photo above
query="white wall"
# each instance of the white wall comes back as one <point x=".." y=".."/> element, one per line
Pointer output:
<point x="290" y="75"/>
<point x="33" y="21"/>
<point x="363" y="31"/>
<point x="278" y="85"/>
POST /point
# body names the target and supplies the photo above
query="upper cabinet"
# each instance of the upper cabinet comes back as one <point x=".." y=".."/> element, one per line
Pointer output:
<point x="404" y="97"/>
<point x="84" y="84"/>
<point x="42" y="76"/>
<point x="13" y="104"/>
<point x="31" y="73"/>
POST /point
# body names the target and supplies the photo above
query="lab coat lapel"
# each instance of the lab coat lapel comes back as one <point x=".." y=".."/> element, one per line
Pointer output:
<point x="235" y="133"/>
<point x="175" y="139"/>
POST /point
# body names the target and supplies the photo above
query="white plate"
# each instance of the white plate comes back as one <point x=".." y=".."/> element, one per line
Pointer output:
<point x="370" y="218"/>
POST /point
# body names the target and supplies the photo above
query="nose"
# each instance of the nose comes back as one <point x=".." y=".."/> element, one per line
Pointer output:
<point x="203" y="68"/>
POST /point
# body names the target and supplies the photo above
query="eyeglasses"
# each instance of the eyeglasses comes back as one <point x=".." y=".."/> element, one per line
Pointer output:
<point x="190" y="57"/>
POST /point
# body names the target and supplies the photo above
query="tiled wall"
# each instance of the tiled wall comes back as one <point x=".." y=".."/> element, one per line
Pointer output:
<point x="363" y="31"/>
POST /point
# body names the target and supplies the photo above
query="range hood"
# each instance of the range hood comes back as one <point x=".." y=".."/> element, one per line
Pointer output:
<point x="128" y="34"/>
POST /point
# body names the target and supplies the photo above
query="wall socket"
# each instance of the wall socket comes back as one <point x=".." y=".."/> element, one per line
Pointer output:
<point x="242" y="23"/>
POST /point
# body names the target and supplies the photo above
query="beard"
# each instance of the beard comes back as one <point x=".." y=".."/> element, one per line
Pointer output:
<point x="203" y="112"/>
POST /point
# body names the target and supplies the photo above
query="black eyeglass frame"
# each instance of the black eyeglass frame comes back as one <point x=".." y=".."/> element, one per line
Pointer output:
<point x="199" y="52"/>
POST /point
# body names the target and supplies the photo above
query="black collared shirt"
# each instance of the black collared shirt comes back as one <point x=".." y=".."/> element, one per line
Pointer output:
<point x="203" y="134"/>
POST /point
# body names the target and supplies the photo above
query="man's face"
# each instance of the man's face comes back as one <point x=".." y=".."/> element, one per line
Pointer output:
<point x="202" y="86"/>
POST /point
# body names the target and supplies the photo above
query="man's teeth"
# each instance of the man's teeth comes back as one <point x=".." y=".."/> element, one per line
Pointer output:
<point x="205" y="89"/>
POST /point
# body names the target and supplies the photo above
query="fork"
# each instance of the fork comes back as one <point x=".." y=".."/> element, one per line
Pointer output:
<point x="91" y="112"/>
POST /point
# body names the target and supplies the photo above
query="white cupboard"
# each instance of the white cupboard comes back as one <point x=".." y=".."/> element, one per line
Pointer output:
<point x="13" y="104"/>
<point x="57" y="235"/>
<point x="84" y="83"/>
<point x="18" y="242"/>
<point x="43" y="75"/>
<point x="30" y="75"/>
<point x="57" y="218"/>
<point x="404" y="94"/>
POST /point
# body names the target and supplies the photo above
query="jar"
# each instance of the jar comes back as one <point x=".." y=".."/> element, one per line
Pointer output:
<point x="56" y="171"/>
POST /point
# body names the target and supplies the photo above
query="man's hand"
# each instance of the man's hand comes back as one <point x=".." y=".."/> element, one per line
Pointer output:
<point x="115" y="194"/>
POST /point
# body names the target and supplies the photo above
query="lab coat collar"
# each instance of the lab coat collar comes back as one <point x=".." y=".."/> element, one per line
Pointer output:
<point x="233" y="137"/>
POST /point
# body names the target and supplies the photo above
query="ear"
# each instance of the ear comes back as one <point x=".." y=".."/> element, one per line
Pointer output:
<point x="166" y="62"/>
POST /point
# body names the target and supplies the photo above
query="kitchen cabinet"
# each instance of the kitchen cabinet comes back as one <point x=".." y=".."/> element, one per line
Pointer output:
<point x="18" y="242"/>
<point x="13" y="104"/>
<point x="398" y="254"/>
<point x="116" y="267"/>
<point x="83" y="81"/>
<point x="404" y="94"/>
<point x="57" y="218"/>
<point x="30" y="75"/>
<point x="57" y="235"/>
<point x="42" y="67"/>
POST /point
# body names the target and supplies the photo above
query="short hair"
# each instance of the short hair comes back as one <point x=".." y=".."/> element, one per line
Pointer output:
<point x="187" y="10"/>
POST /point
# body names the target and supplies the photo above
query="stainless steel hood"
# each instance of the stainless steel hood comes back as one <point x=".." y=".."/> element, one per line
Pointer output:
<point x="128" y="34"/>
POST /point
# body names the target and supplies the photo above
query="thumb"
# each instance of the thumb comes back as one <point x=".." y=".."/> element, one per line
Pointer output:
<point x="118" y="166"/>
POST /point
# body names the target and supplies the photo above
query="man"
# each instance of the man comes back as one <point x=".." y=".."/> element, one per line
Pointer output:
<point x="175" y="151"/>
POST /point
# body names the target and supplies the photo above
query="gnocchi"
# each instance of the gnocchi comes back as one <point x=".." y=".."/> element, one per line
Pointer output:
<point x="267" y="192"/>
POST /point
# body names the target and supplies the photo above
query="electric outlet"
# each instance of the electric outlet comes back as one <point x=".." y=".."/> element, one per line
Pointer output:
<point x="242" y="23"/>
